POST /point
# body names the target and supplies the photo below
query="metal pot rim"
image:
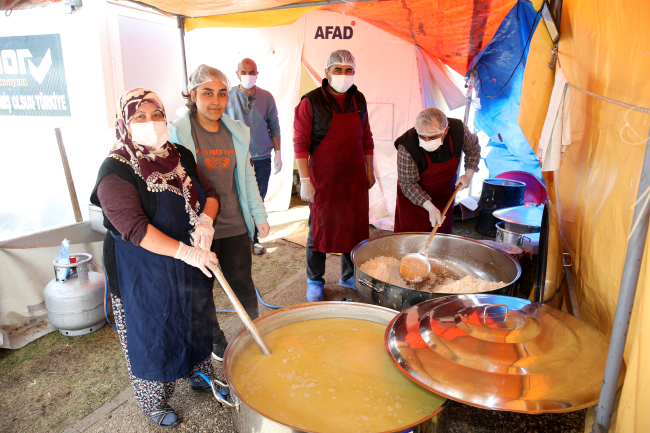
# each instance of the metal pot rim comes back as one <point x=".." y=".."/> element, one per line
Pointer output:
<point x="495" y="181"/>
<point x="364" y="242"/>
<point x="269" y="316"/>
<point x="501" y="226"/>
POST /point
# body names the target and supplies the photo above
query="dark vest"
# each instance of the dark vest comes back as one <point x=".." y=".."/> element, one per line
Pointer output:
<point x="147" y="199"/>
<point x="322" y="111"/>
<point x="442" y="154"/>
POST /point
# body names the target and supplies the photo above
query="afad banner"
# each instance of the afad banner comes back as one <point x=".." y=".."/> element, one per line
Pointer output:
<point x="32" y="77"/>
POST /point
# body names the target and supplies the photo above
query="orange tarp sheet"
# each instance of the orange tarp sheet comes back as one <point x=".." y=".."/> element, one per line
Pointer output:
<point x="453" y="31"/>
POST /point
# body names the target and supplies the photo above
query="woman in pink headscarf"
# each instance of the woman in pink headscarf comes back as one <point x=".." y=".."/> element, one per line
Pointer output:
<point x="158" y="208"/>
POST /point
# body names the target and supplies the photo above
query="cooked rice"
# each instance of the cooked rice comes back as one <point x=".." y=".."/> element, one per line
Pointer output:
<point x="440" y="280"/>
<point x="470" y="284"/>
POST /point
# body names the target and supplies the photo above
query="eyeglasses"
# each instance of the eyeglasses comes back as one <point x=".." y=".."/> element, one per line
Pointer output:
<point x="250" y="102"/>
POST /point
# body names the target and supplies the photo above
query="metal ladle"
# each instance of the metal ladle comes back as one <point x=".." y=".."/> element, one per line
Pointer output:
<point x="241" y="312"/>
<point x="415" y="267"/>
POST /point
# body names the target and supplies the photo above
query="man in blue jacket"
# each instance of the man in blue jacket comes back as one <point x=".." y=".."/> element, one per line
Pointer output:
<point x="256" y="108"/>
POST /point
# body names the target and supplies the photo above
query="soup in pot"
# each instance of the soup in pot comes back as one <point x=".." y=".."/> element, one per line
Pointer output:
<point x="329" y="375"/>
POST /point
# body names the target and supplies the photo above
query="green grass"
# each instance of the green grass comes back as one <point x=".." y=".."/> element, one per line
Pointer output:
<point x="57" y="378"/>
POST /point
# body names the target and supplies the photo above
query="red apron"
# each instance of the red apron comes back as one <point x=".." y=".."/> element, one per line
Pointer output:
<point x="337" y="168"/>
<point x="438" y="180"/>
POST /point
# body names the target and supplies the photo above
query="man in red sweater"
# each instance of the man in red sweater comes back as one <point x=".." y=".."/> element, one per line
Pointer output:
<point x="334" y="147"/>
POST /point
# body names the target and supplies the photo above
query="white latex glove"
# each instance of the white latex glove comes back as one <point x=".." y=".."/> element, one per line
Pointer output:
<point x="435" y="217"/>
<point x="277" y="162"/>
<point x="465" y="179"/>
<point x="307" y="190"/>
<point x="203" y="233"/>
<point x="197" y="257"/>
<point x="263" y="230"/>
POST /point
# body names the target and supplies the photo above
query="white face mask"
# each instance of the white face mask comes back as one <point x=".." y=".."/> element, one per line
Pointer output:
<point x="341" y="83"/>
<point x="149" y="133"/>
<point x="431" y="145"/>
<point x="248" y="81"/>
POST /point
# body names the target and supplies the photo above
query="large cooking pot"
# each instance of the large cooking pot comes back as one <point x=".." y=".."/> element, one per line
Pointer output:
<point x="248" y="419"/>
<point x="513" y="236"/>
<point x="462" y="255"/>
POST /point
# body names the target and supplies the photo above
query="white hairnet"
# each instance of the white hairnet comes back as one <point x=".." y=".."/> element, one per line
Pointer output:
<point x="430" y="122"/>
<point x="341" y="57"/>
<point x="203" y="74"/>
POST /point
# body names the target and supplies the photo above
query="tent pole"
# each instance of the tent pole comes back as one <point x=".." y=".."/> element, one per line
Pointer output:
<point x="181" y="26"/>
<point x="470" y="87"/>
<point x="68" y="177"/>
<point x="629" y="281"/>
<point x="307" y="4"/>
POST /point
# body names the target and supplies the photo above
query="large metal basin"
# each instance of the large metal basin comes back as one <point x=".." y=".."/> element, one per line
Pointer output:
<point x="462" y="255"/>
<point x="246" y="418"/>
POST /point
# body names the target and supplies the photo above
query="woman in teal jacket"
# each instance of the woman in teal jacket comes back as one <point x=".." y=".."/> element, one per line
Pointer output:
<point x="220" y="147"/>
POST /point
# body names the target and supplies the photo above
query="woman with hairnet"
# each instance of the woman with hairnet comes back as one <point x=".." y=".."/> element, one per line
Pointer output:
<point x="152" y="194"/>
<point x="428" y="157"/>
<point x="220" y="146"/>
<point x="334" y="148"/>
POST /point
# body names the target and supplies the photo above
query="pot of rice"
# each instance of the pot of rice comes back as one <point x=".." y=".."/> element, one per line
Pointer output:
<point x="458" y="266"/>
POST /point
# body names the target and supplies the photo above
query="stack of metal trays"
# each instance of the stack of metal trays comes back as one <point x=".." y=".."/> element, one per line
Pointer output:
<point x="501" y="353"/>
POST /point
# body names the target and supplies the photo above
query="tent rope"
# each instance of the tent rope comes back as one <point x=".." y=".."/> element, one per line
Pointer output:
<point x="645" y="196"/>
<point x="613" y="101"/>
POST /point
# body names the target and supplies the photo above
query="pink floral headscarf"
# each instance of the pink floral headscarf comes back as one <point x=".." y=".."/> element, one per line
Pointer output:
<point x="159" y="167"/>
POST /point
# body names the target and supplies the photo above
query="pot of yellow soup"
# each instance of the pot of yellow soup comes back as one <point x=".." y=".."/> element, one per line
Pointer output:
<point x="329" y="371"/>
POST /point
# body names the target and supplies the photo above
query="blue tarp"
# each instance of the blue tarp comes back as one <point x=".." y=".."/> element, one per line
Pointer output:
<point x="500" y="105"/>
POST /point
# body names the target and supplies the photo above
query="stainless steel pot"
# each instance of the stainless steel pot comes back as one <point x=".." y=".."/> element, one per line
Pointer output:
<point x="464" y="256"/>
<point x="246" y="418"/>
<point x="506" y="234"/>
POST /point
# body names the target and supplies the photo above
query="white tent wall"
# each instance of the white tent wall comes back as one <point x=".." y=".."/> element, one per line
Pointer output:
<point x="276" y="50"/>
<point x="93" y="62"/>
<point x="387" y="74"/>
<point x="441" y="89"/>
<point x="151" y="57"/>
<point x="38" y="197"/>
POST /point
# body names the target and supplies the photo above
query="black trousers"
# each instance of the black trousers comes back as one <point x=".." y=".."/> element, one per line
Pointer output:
<point x="235" y="258"/>
<point x="316" y="262"/>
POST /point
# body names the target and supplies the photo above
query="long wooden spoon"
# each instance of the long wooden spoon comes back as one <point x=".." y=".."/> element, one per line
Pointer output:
<point x="241" y="312"/>
<point x="415" y="267"/>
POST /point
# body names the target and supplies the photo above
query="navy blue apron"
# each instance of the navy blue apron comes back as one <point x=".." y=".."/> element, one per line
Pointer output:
<point x="168" y="304"/>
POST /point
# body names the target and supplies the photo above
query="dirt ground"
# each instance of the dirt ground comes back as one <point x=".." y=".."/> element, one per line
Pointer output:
<point x="54" y="381"/>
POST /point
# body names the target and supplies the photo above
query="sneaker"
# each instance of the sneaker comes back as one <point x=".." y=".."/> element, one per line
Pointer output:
<point x="349" y="283"/>
<point x="259" y="249"/>
<point x="218" y="350"/>
<point x="314" y="290"/>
